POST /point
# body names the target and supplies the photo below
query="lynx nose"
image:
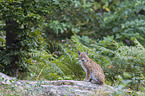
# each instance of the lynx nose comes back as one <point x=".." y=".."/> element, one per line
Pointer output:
<point x="84" y="60"/>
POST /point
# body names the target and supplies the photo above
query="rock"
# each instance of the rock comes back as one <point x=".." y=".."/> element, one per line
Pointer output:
<point x="58" y="88"/>
<point x="5" y="79"/>
<point x="68" y="87"/>
<point x="77" y="88"/>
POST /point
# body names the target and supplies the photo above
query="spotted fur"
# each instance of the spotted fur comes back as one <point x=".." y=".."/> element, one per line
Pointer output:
<point x="94" y="72"/>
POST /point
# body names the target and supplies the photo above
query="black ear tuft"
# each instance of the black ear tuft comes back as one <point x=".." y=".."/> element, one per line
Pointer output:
<point x="79" y="52"/>
<point x="86" y="52"/>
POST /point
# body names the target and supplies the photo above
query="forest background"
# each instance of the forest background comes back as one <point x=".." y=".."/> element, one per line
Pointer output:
<point x="40" y="39"/>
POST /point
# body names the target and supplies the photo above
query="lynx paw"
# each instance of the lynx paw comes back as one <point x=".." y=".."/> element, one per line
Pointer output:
<point x="97" y="82"/>
<point x="87" y="80"/>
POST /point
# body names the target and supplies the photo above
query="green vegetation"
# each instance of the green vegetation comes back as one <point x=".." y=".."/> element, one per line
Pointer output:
<point x="39" y="40"/>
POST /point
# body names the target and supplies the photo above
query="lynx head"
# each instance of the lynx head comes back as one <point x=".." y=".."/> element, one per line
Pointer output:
<point x="83" y="57"/>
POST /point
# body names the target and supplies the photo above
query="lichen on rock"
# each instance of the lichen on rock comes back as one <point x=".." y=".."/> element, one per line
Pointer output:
<point x="58" y="88"/>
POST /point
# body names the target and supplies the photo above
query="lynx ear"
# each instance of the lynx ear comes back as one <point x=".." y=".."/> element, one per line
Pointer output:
<point x="86" y="52"/>
<point x="79" y="52"/>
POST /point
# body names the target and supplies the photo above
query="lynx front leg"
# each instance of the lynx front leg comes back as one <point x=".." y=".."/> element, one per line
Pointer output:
<point x="88" y="77"/>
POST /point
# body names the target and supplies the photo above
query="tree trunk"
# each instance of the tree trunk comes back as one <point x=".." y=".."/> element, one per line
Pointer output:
<point x="10" y="34"/>
<point x="11" y="28"/>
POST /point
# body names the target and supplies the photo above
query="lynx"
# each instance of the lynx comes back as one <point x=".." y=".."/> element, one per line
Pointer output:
<point x="94" y="72"/>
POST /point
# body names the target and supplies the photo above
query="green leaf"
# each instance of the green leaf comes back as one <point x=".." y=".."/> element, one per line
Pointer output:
<point x="118" y="77"/>
<point x="126" y="75"/>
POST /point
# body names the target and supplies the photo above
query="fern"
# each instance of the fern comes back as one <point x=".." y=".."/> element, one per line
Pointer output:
<point x="115" y="58"/>
<point x="43" y="64"/>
